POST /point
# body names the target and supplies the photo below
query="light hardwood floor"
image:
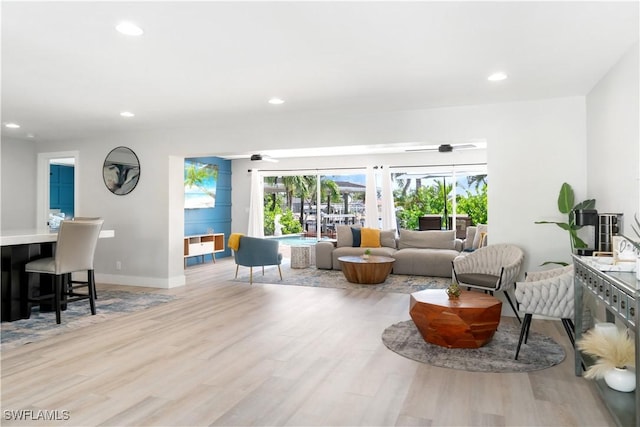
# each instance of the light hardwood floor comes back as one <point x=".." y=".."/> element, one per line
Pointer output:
<point x="229" y="354"/>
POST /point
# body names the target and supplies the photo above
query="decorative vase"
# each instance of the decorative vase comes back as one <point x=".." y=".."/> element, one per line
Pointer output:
<point x="365" y="256"/>
<point x="621" y="379"/>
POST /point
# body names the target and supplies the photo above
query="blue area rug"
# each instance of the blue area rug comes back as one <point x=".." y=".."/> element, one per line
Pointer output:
<point x="397" y="283"/>
<point x="110" y="304"/>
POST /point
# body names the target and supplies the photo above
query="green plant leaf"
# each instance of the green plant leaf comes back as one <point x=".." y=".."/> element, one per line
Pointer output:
<point x="578" y="242"/>
<point x="586" y="204"/>
<point x="565" y="199"/>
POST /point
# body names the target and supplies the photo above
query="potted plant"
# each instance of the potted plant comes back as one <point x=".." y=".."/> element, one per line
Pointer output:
<point x="615" y="353"/>
<point x="367" y="252"/>
<point x="566" y="206"/>
<point x="453" y="291"/>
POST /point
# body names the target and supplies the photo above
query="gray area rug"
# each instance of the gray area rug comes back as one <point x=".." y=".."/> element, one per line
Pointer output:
<point x="314" y="277"/>
<point x="109" y="304"/>
<point x="540" y="352"/>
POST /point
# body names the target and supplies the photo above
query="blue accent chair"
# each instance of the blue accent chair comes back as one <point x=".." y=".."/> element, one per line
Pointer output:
<point x="254" y="252"/>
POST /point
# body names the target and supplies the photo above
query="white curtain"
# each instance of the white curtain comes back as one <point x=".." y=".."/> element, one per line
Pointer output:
<point x="256" y="206"/>
<point x="371" y="200"/>
<point x="388" y="204"/>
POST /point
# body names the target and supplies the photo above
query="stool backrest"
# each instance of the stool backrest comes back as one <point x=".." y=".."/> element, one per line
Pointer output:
<point x="76" y="245"/>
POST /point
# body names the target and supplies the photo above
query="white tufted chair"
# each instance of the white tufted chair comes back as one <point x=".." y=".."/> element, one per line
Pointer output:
<point x="491" y="268"/>
<point x="548" y="293"/>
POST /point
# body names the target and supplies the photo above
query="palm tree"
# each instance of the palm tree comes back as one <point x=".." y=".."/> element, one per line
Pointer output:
<point x="293" y="185"/>
<point x="273" y="181"/>
<point x="477" y="180"/>
<point x="306" y="193"/>
<point x="328" y="188"/>
<point x="405" y="184"/>
<point x="198" y="174"/>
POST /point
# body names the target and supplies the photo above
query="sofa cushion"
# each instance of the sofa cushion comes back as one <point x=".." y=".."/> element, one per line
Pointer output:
<point x="356" y="237"/>
<point x="344" y="236"/>
<point x="424" y="262"/>
<point x="388" y="238"/>
<point x="432" y="239"/>
<point x="370" y="237"/>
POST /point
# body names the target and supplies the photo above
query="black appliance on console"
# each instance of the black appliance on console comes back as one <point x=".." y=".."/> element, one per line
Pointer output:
<point x="587" y="217"/>
<point x="606" y="226"/>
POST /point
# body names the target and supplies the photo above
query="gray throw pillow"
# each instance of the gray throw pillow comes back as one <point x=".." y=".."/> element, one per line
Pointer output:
<point x="388" y="238"/>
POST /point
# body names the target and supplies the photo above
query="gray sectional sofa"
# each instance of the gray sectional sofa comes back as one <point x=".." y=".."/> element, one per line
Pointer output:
<point x="427" y="253"/>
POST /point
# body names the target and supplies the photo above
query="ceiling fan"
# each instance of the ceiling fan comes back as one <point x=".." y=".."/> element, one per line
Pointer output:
<point x="445" y="148"/>
<point x="261" y="157"/>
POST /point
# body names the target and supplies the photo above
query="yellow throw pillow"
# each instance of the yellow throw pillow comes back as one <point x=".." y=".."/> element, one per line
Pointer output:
<point x="370" y="238"/>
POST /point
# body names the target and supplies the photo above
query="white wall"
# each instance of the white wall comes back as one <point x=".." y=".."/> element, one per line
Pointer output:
<point x="18" y="184"/>
<point x="532" y="148"/>
<point x="613" y="140"/>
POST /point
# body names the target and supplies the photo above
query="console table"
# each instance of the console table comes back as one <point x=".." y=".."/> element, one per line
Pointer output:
<point x="203" y="244"/>
<point x="619" y="294"/>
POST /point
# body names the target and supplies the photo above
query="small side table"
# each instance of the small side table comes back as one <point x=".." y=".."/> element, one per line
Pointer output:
<point x="369" y="271"/>
<point x="300" y="257"/>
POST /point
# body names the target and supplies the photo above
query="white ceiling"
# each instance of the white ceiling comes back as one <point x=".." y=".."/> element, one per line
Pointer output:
<point x="66" y="72"/>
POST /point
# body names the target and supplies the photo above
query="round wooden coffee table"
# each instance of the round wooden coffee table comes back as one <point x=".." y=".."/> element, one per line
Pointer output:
<point x="467" y="322"/>
<point x="369" y="271"/>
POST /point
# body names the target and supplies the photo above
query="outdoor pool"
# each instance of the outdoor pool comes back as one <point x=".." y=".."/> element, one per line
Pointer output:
<point x="295" y="240"/>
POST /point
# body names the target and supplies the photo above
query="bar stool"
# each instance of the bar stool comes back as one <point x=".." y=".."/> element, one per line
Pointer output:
<point x="75" y="249"/>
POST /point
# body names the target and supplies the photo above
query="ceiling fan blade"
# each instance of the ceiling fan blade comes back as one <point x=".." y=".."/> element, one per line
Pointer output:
<point x="444" y="148"/>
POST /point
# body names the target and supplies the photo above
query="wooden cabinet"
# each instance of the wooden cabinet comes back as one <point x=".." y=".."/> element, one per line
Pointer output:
<point x="620" y="295"/>
<point x="204" y="244"/>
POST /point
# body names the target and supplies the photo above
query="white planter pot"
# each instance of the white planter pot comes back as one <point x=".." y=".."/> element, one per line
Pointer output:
<point x="621" y="379"/>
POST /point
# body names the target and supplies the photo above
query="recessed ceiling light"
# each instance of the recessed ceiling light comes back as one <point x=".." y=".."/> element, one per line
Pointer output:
<point x="276" y="101"/>
<point x="12" y="125"/>
<point x="129" y="29"/>
<point x="127" y="114"/>
<point x="30" y="135"/>
<point x="496" y="77"/>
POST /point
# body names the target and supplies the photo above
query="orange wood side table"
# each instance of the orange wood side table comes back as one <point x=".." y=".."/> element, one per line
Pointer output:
<point x="466" y="322"/>
<point x="369" y="271"/>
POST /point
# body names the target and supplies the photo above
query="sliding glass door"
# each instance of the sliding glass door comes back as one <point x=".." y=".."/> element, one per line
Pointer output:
<point x="312" y="204"/>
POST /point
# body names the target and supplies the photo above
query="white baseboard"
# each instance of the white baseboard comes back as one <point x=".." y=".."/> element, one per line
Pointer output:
<point x="150" y="282"/>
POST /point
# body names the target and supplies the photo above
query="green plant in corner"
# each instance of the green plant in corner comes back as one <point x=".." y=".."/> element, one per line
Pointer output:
<point x="566" y="206"/>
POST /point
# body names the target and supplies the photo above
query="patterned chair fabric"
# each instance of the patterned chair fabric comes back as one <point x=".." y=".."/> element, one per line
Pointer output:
<point x="491" y="268"/>
<point x="547" y="293"/>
